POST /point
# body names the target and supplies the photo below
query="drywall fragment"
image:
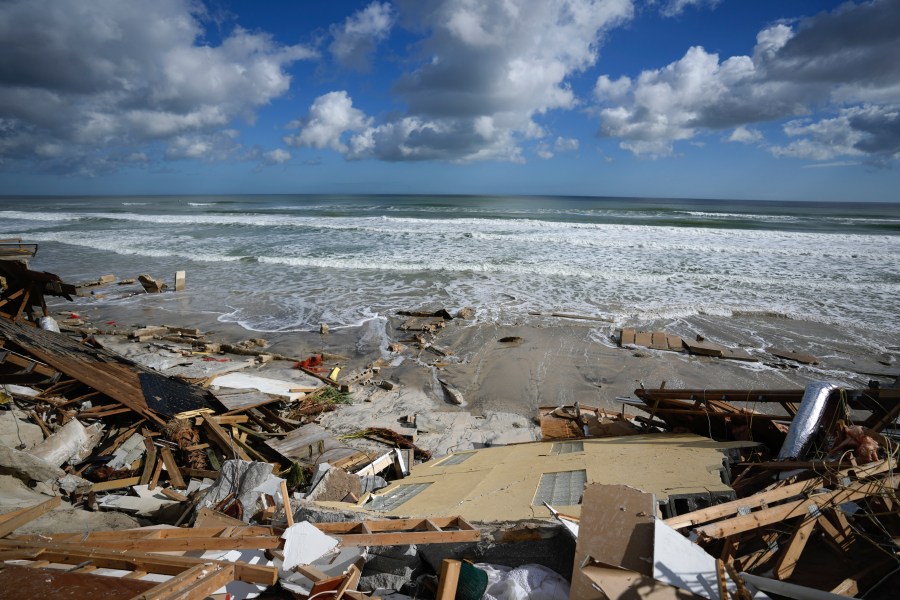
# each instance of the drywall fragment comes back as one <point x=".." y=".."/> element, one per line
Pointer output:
<point x="303" y="544"/>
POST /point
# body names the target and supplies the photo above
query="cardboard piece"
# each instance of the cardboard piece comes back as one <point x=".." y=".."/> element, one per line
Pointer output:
<point x="623" y="551"/>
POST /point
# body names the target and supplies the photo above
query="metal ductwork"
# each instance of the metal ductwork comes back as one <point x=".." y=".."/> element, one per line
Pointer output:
<point x="808" y="420"/>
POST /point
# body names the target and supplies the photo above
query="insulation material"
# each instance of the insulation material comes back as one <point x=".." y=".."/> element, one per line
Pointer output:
<point x="72" y="443"/>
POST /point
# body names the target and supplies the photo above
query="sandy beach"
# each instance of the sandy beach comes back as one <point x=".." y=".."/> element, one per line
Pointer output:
<point x="549" y="361"/>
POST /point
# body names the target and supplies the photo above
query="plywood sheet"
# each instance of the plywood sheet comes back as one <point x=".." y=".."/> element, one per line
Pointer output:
<point x="40" y="584"/>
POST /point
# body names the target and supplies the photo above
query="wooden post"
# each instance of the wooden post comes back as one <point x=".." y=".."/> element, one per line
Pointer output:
<point x="286" y="498"/>
<point x="449" y="579"/>
<point x="172" y="469"/>
<point x="179" y="281"/>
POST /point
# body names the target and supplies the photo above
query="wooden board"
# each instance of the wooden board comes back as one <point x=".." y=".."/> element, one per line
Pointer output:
<point x="74" y="554"/>
<point x="15" y="519"/>
<point x="658" y="341"/>
<point x="738" y="354"/>
<point x="626" y="336"/>
<point x="239" y="400"/>
<point x="675" y="343"/>
<point x="704" y="348"/>
<point x="643" y="339"/>
<point x="806" y="359"/>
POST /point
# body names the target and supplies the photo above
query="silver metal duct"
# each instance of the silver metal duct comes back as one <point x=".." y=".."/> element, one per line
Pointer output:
<point x="808" y="419"/>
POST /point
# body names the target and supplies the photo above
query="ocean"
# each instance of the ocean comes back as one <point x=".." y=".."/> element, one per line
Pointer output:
<point x="288" y="263"/>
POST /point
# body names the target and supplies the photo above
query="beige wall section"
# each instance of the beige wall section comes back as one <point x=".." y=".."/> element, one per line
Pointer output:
<point x="499" y="483"/>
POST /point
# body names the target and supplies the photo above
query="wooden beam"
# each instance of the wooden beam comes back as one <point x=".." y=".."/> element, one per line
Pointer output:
<point x="149" y="461"/>
<point x="286" y="499"/>
<point x="74" y="554"/>
<point x="12" y="521"/>
<point x="791" y="510"/>
<point x="449" y="579"/>
<point x="785" y="492"/>
<point x="195" y="583"/>
<point x="115" y="484"/>
<point x="220" y="437"/>
<point x="172" y="468"/>
<point x="790" y="554"/>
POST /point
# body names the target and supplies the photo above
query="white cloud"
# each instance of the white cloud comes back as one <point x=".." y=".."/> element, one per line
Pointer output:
<point x="105" y="75"/>
<point x="218" y="145"/>
<point x="745" y="135"/>
<point x="676" y="7"/>
<point x="488" y="71"/>
<point x="330" y="117"/>
<point x="278" y="156"/>
<point x="871" y="131"/>
<point x="844" y="60"/>
<point x="565" y="144"/>
<point x="355" y="40"/>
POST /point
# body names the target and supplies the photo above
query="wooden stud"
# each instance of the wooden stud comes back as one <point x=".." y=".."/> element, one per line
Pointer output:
<point x="286" y="499"/>
<point x="115" y="484"/>
<point x="149" y="461"/>
<point x="40" y="423"/>
<point x="173" y="495"/>
<point x="194" y="583"/>
<point x="72" y="553"/>
<point x="172" y="468"/>
<point x="790" y="555"/>
<point x="721" y="581"/>
<point x="154" y="479"/>
<point x="790" y="510"/>
<point x="449" y="579"/>
<point x="12" y="521"/>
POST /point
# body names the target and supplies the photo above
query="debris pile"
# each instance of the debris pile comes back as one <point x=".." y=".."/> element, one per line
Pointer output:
<point x="152" y="463"/>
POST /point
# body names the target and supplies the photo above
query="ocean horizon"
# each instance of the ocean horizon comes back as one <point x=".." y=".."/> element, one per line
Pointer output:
<point x="281" y="263"/>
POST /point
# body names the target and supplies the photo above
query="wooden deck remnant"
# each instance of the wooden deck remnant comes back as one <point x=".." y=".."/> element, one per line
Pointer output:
<point x="806" y="359"/>
<point x="122" y="380"/>
<point x="399" y="532"/>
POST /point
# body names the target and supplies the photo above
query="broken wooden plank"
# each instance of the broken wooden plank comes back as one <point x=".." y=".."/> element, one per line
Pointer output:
<point x="195" y="583"/>
<point x="658" y="341"/>
<point x="738" y="354"/>
<point x="643" y="339"/>
<point x="793" y="509"/>
<point x="172" y="468"/>
<point x="806" y="359"/>
<point x="704" y="348"/>
<point x="74" y="554"/>
<point x="626" y="336"/>
<point x="768" y="498"/>
<point x="115" y="484"/>
<point x="15" y="519"/>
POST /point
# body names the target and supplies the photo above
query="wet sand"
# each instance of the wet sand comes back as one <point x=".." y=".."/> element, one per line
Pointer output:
<point x="550" y="362"/>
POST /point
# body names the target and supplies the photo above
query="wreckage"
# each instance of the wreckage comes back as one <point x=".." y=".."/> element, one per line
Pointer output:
<point x="707" y="493"/>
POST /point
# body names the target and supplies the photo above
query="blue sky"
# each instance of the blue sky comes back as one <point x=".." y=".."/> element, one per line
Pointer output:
<point x="765" y="100"/>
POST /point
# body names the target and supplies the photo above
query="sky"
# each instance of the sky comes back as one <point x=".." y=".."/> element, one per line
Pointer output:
<point x="732" y="99"/>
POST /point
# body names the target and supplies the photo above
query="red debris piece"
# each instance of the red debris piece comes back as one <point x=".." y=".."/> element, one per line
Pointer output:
<point x="213" y="359"/>
<point x="313" y="363"/>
